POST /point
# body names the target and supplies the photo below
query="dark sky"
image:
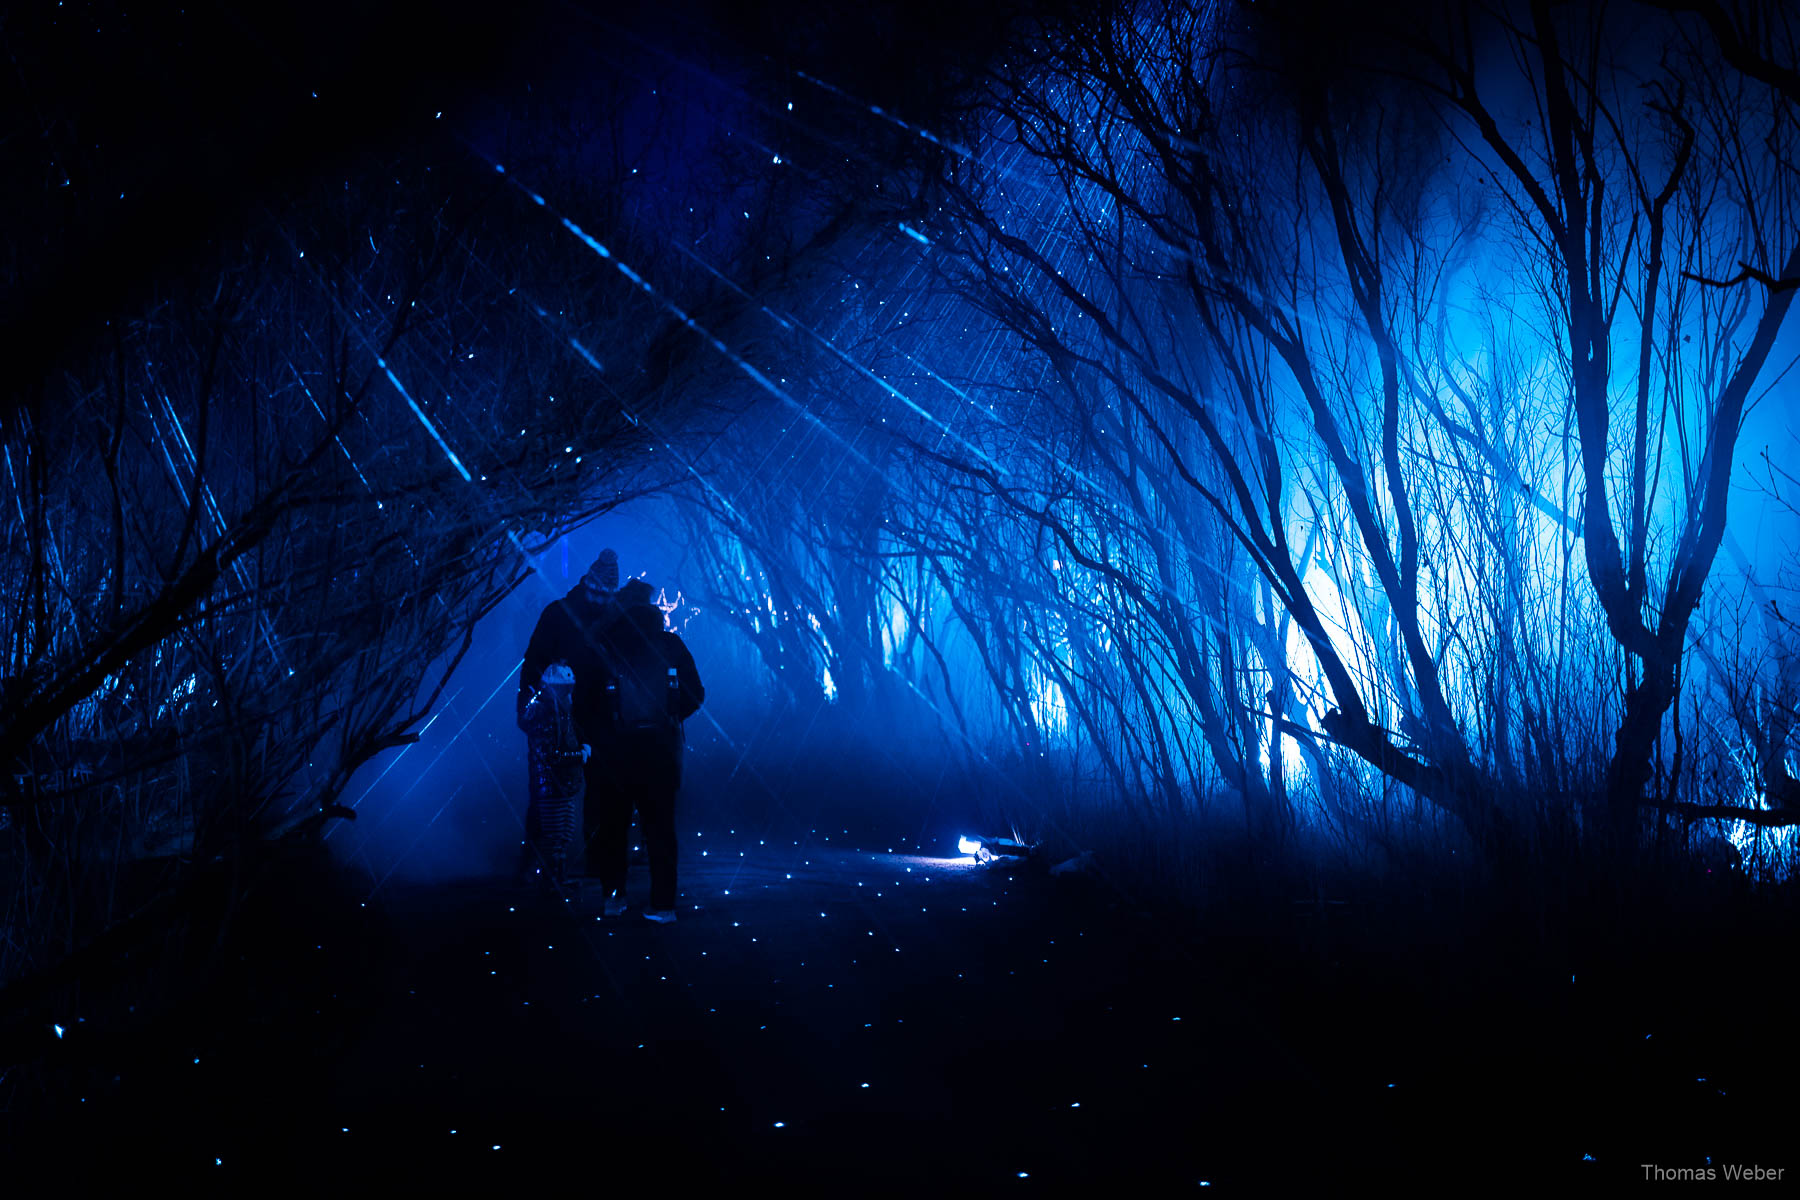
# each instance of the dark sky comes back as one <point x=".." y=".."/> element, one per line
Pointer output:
<point x="133" y="135"/>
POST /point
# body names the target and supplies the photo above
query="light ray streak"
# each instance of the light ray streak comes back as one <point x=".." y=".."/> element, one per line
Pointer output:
<point x="587" y="356"/>
<point x="49" y="534"/>
<point x="554" y="326"/>
<point x="407" y="853"/>
<point x="354" y="466"/>
<point x="210" y="502"/>
<point x="897" y="394"/>
<point x="352" y="323"/>
<point x="453" y="740"/>
<point x="332" y="828"/>
<point x="425" y="421"/>
<point x="624" y="408"/>
<point x="748" y="369"/>
<point x="791" y="322"/>
<point x="722" y="278"/>
<point x="977" y="405"/>
<point x="955" y="148"/>
<point x="405" y="543"/>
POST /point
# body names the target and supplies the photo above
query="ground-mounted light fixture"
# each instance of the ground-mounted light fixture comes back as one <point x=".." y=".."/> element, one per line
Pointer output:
<point x="987" y="849"/>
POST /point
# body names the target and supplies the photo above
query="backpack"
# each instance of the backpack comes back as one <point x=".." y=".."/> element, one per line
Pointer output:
<point x="644" y="687"/>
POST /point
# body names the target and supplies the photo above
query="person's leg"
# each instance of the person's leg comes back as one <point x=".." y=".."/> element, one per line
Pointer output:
<point x="574" y="843"/>
<point x="560" y="827"/>
<point x="656" y="812"/>
<point x="607" y="817"/>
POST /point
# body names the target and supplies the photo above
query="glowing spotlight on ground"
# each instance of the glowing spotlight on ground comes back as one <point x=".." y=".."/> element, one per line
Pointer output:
<point x="986" y="849"/>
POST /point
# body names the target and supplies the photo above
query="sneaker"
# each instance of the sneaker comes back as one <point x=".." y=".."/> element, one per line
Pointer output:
<point x="661" y="915"/>
<point x="615" y="905"/>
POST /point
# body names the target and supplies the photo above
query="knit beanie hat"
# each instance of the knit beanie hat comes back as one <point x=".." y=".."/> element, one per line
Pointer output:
<point x="604" y="574"/>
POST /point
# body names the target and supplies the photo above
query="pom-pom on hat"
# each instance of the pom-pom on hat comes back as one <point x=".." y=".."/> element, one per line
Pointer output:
<point x="604" y="574"/>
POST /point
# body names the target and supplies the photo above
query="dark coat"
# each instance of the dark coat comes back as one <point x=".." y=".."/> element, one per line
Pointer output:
<point x="571" y="630"/>
<point x="637" y="647"/>
<point x="553" y="747"/>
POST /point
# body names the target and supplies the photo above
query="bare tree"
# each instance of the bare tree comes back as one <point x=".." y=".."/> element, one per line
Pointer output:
<point x="1259" y="261"/>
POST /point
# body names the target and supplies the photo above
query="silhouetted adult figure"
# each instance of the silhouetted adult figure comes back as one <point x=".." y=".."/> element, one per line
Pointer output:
<point x="570" y="630"/>
<point x="655" y="687"/>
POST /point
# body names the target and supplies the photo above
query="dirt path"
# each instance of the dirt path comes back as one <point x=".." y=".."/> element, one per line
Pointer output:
<point x="842" y="1014"/>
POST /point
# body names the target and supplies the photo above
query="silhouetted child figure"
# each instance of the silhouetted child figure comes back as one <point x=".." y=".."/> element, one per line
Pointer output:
<point x="556" y="753"/>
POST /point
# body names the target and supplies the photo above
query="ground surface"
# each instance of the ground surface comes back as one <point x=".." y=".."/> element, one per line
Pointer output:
<point x="853" y="1016"/>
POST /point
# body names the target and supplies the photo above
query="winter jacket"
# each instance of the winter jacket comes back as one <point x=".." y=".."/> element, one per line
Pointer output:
<point x="553" y="745"/>
<point x="653" y="681"/>
<point x="569" y="630"/>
